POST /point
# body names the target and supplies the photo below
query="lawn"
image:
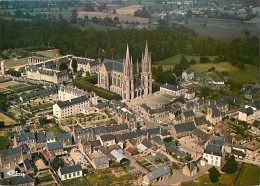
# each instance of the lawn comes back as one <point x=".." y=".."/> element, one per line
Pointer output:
<point x="53" y="128"/>
<point x="16" y="62"/>
<point x="250" y="74"/>
<point x="5" y="142"/>
<point x="76" y="181"/>
<point x="6" y="119"/>
<point x="176" y="59"/>
<point x="246" y="176"/>
<point x="105" y="177"/>
<point x="50" y="53"/>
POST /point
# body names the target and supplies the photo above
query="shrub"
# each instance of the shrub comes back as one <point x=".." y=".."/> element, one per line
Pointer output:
<point x="213" y="174"/>
<point x="204" y="60"/>
<point x="231" y="166"/>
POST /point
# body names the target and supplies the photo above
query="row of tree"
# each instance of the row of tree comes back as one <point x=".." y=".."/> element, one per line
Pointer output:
<point x="164" y="41"/>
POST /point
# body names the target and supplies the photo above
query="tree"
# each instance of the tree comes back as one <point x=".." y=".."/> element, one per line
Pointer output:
<point x="57" y="162"/>
<point x="116" y="19"/>
<point x="43" y="120"/>
<point x="168" y="139"/>
<point x="63" y="66"/>
<point x="213" y="174"/>
<point x="192" y="62"/>
<point x="231" y="165"/>
<point x="204" y="59"/>
<point x="74" y="65"/>
<point x="2" y="124"/>
<point x="205" y="92"/>
<point x="17" y="170"/>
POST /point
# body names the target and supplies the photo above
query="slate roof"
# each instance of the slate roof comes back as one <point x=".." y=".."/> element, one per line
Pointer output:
<point x="95" y="143"/>
<point x="158" y="172"/>
<point x="201" y="134"/>
<point x="115" y="128"/>
<point x="101" y="160"/>
<point x="70" y="169"/>
<point x="63" y="136"/>
<point x="248" y="111"/>
<point x="54" y="145"/>
<point x="39" y="93"/>
<point x="113" y="65"/>
<point x="201" y="121"/>
<point x="154" y="131"/>
<point x="146" y="143"/>
<point x="49" y="135"/>
<point x="24" y="136"/>
<point x="85" y="142"/>
<point x="71" y="102"/>
<point x="10" y="152"/>
<point x="213" y="149"/>
<point x="107" y="137"/>
<point x="191" y="165"/>
<point x="172" y="87"/>
<point x="217" y="140"/>
<point x="188" y="126"/>
<point x="189" y="113"/>
<point x="40" y="137"/>
<point x="255" y="104"/>
<point x="17" y="180"/>
<point x="100" y="130"/>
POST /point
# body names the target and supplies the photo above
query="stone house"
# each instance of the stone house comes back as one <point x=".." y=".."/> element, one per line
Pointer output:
<point x="157" y="175"/>
<point x="190" y="168"/>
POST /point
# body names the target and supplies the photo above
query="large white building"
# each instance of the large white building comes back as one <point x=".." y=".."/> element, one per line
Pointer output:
<point x="214" y="151"/>
<point x="44" y="69"/>
<point x="172" y="89"/>
<point x="251" y="112"/>
<point x="71" y="107"/>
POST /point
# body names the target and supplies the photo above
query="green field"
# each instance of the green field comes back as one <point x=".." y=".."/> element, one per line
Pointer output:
<point x="5" y="142"/>
<point x="246" y="176"/>
<point x="7" y="119"/>
<point x="176" y="59"/>
<point x="16" y="62"/>
<point x="105" y="177"/>
<point x="49" y="53"/>
<point x="250" y="74"/>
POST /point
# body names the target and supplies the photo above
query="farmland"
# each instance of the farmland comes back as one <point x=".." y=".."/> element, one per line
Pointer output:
<point x="49" y="53"/>
<point x="129" y="10"/>
<point x="6" y="119"/>
<point x="220" y="28"/>
<point x="249" y="74"/>
<point x="16" y="62"/>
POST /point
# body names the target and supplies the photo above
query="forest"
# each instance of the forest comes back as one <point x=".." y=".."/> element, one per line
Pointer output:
<point x="164" y="41"/>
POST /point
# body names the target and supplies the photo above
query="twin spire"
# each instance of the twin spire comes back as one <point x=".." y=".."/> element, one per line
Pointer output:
<point x="146" y="60"/>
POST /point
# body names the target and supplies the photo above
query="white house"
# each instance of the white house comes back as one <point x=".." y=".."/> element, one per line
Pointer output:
<point x="218" y="82"/>
<point x="189" y="94"/>
<point x="214" y="151"/>
<point x="171" y="89"/>
<point x="70" y="172"/>
<point x="187" y="74"/>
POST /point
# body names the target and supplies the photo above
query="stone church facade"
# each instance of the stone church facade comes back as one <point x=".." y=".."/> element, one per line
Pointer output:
<point x="121" y="78"/>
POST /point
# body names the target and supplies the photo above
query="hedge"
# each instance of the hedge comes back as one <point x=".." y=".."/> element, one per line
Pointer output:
<point x="85" y="85"/>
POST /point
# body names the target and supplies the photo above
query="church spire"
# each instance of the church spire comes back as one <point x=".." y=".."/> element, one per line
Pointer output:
<point x="127" y="56"/>
<point x="137" y="67"/>
<point x="146" y="52"/>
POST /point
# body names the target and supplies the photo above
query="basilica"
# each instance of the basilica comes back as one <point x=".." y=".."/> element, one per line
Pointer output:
<point x="123" y="78"/>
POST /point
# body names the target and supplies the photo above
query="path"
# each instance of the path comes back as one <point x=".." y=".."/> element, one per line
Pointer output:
<point x="136" y="165"/>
